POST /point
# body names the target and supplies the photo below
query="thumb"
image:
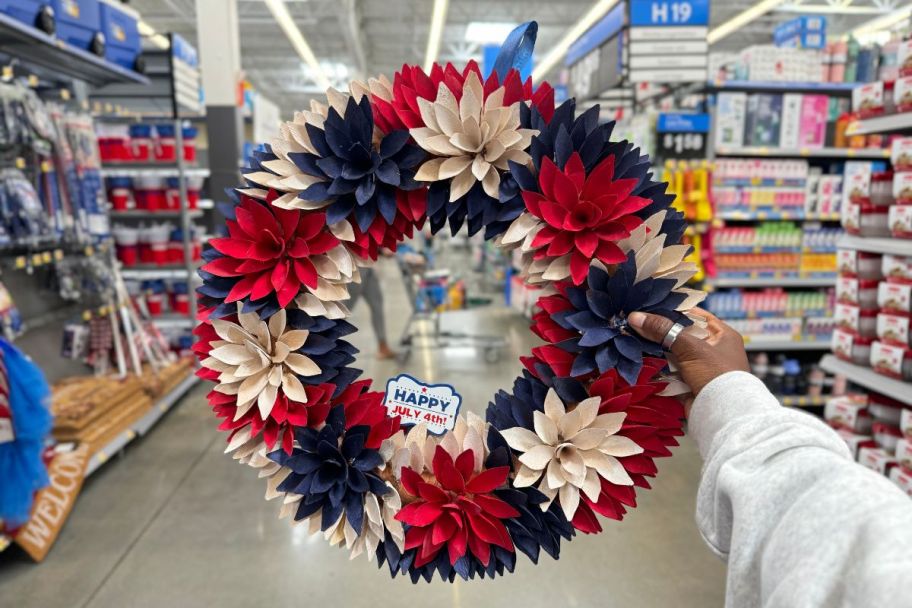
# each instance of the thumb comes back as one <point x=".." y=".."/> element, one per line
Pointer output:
<point x="652" y="327"/>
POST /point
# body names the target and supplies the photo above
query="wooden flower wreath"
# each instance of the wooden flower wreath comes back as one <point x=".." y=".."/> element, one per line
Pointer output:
<point x="594" y="405"/>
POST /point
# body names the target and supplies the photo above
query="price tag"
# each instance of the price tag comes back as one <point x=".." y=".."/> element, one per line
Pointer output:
<point x="20" y="262"/>
<point x="108" y="108"/>
<point x="851" y="153"/>
<point x="47" y="257"/>
<point x="682" y="145"/>
<point x="89" y="251"/>
<point x="36" y="259"/>
<point x="20" y="163"/>
<point x="7" y="72"/>
<point x="33" y="81"/>
<point x="65" y="94"/>
<point x="45" y="166"/>
<point x="86" y="315"/>
<point x="58" y="254"/>
<point x="804" y="151"/>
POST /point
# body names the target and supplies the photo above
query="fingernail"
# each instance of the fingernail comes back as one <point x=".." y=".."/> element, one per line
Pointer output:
<point x="636" y="319"/>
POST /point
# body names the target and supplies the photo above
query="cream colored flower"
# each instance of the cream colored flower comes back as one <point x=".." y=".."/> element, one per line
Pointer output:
<point x="571" y="451"/>
<point x="472" y="138"/>
<point x="416" y="450"/>
<point x="255" y="359"/>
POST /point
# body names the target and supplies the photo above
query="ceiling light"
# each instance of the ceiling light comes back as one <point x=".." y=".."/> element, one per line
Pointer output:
<point x="557" y="52"/>
<point x="438" y="18"/>
<point x="296" y="38"/>
<point x="488" y="32"/>
<point x="884" y="22"/>
<point x="147" y="31"/>
<point x="836" y="9"/>
<point x="742" y="19"/>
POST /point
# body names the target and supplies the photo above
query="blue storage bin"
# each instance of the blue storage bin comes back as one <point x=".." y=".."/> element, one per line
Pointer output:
<point x="29" y="11"/>
<point x="79" y="23"/>
<point x="123" y="44"/>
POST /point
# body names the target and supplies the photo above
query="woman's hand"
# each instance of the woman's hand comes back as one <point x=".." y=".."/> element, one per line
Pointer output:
<point x="699" y="360"/>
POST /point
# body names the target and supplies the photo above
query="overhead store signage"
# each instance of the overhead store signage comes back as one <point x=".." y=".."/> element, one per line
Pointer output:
<point x="668" y="41"/>
<point x="682" y="135"/>
<point x="596" y="59"/>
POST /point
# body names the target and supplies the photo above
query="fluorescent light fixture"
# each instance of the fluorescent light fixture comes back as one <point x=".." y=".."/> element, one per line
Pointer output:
<point x="741" y="19"/>
<point x="557" y="52"/>
<point x="438" y="19"/>
<point x="835" y="9"/>
<point x="147" y="31"/>
<point x="884" y="22"/>
<point x="296" y="38"/>
<point x="488" y="32"/>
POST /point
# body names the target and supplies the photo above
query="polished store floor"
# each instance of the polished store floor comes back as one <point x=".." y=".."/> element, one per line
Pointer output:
<point x="174" y="522"/>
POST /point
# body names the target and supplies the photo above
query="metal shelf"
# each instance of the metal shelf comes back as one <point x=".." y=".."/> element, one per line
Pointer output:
<point x="140" y="273"/>
<point x="876" y="245"/>
<point x="153" y="171"/>
<point x="804" y="152"/>
<point x="832" y="88"/>
<point x="752" y="343"/>
<point x="754" y="216"/>
<point x="141" y="426"/>
<point x="772" y="282"/>
<point x="803" y="400"/>
<point x="868" y="378"/>
<point x="881" y="124"/>
<point x="57" y="58"/>
<point x="173" y="320"/>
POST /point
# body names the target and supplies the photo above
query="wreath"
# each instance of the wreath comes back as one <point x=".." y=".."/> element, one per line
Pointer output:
<point x="594" y="405"/>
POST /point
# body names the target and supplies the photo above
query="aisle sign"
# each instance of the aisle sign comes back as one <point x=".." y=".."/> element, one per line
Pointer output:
<point x="668" y="41"/>
<point x="682" y="135"/>
<point x="669" y="12"/>
<point x="596" y="59"/>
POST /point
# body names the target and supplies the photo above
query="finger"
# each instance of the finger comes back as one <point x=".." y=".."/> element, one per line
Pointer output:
<point x="656" y="327"/>
<point x="713" y="323"/>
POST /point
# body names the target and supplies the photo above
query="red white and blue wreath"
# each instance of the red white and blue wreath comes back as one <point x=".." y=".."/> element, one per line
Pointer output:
<point x="594" y="406"/>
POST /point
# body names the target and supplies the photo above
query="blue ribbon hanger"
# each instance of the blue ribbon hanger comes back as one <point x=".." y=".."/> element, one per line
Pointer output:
<point x="516" y="49"/>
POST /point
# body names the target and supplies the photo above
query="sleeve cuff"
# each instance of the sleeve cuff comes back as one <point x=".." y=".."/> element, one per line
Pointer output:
<point x="730" y="396"/>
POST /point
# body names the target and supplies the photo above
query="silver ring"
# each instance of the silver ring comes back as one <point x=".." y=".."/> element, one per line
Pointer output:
<point x="672" y="335"/>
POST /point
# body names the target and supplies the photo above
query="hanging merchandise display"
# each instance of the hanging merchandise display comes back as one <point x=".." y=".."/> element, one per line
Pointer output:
<point x="362" y="173"/>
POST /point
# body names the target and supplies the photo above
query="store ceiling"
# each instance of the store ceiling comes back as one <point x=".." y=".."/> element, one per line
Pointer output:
<point x="356" y="37"/>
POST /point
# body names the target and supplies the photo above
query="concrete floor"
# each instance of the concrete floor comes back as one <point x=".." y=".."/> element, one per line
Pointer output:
<point x="174" y="522"/>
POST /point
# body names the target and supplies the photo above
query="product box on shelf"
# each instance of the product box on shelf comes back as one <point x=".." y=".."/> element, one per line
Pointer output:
<point x="868" y="99"/>
<point x="764" y="115"/>
<point x="789" y="132"/>
<point x="905" y="422"/>
<point x="78" y="22"/>
<point x="851" y="347"/>
<point x="730" y="114"/>
<point x="900" y="218"/>
<point x="897" y="268"/>
<point x="892" y="361"/>
<point x="902" y="478"/>
<point x="884" y="409"/>
<point x="876" y="459"/>
<point x="901" y="154"/>
<point x="904" y="57"/>
<point x="848" y="412"/>
<point x="902" y="94"/>
<point x="854" y="441"/>
<point x="893" y="328"/>
<point x="119" y="23"/>
<point x="860" y="321"/>
<point x="861" y="264"/>
<point x="902" y="188"/>
<point x="886" y="436"/>
<point x="903" y="453"/>
<point x="814" y="111"/>
<point x="856" y="291"/>
<point x="895" y="297"/>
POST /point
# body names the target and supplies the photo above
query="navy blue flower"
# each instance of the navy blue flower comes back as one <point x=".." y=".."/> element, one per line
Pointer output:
<point x="332" y="470"/>
<point x="361" y="178"/>
<point x="599" y="312"/>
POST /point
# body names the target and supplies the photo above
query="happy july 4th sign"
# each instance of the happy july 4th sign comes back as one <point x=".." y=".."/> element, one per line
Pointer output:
<point x="436" y="405"/>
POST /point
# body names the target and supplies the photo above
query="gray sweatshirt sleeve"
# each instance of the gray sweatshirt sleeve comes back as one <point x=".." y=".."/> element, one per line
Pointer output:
<point x="780" y="499"/>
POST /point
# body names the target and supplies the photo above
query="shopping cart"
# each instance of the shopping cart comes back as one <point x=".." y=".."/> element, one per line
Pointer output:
<point x="430" y="292"/>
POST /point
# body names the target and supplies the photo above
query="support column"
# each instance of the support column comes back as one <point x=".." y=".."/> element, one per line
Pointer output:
<point x="220" y="59"/>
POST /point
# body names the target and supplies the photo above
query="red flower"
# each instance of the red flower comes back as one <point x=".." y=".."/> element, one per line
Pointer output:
<point x="458" y="513"/>
<point x="411" y="83"/>
<point x="363" y="408"/>
<point x="652" y="421"/>
<point x="205" y="335"/>
<point x="584" y="215"/>
<point x="270" y="249"/>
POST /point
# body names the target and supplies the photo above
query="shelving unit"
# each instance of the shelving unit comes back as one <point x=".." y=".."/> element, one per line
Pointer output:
<point x="753" y="343"/>
<point x="151" y="215"/>
<point x="153" y="171"/>
<point x="141" y="426"/>
<point x="54" y="58"/>
<point x="759" y="216"/>
<point x="868" y="378"/>
<point x="802" y="400"/>
<point x="876" y="245"/>
<point x="140" y="273"/>
<point x="830" y="88"/>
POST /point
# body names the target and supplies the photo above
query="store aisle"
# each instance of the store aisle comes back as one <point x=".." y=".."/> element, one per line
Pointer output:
<point x="177" y="523"/>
